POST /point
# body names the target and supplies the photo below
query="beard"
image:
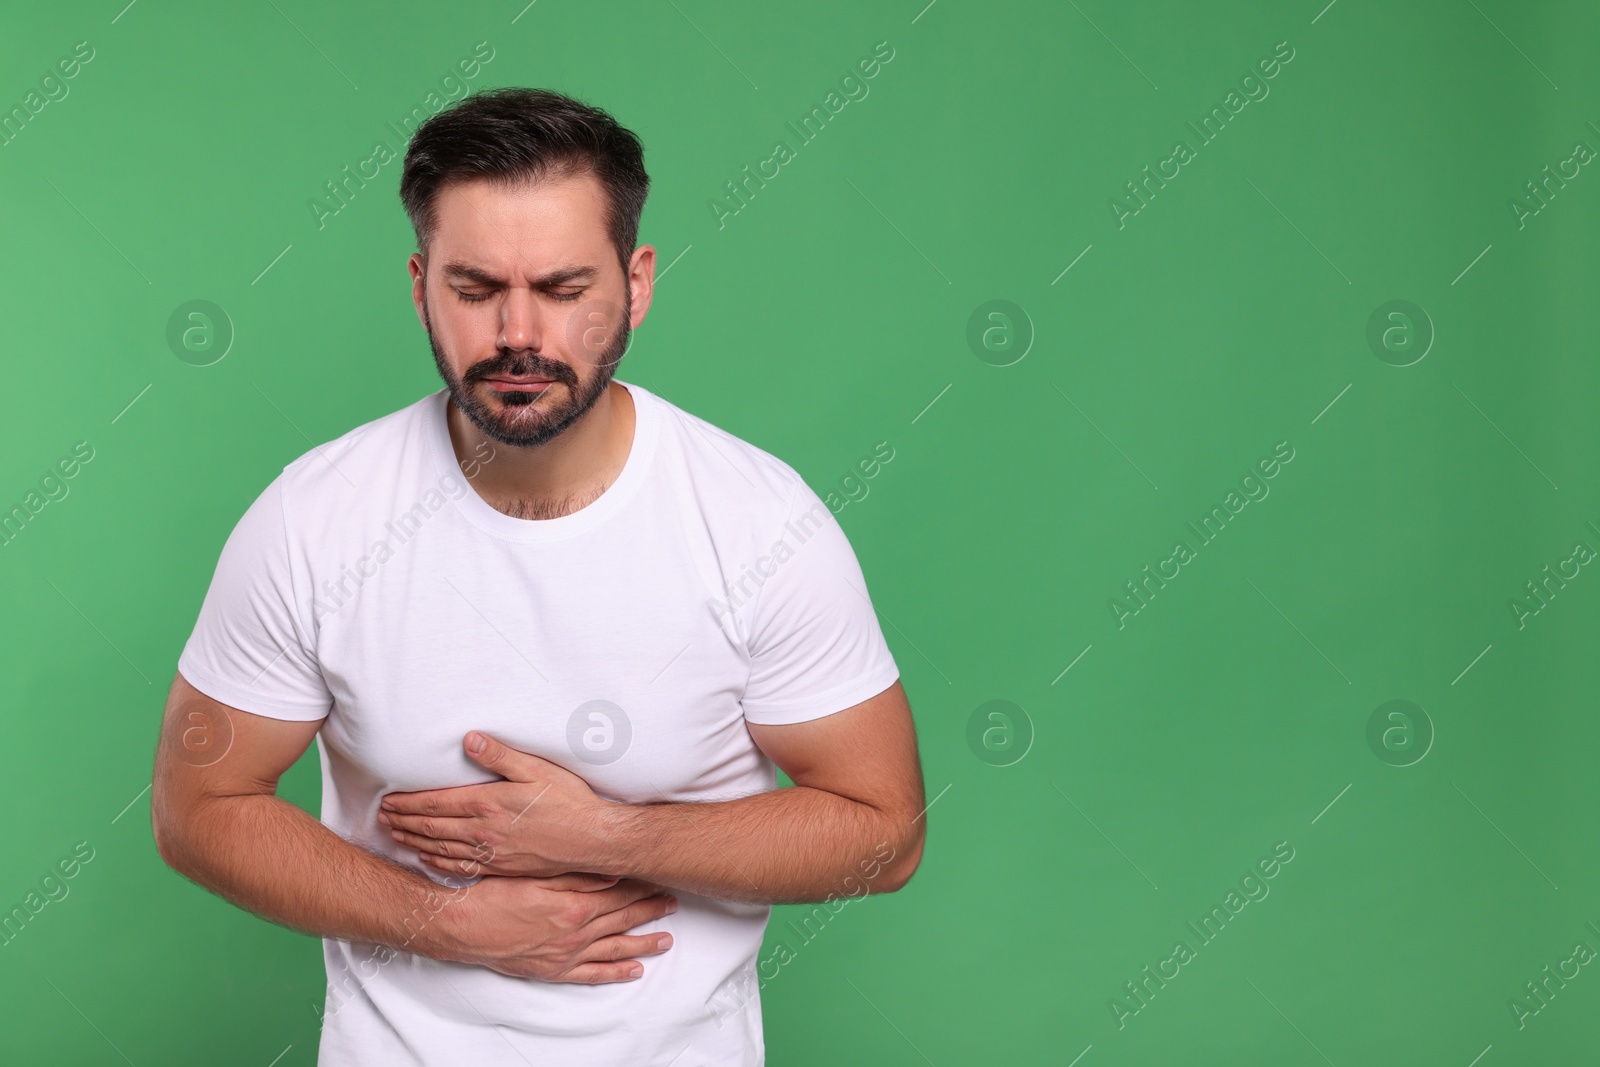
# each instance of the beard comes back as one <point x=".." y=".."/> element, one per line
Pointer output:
<point x="515" y="418"/>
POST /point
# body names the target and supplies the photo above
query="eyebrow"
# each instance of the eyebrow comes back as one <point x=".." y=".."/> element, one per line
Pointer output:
<point x="559" y="276"/>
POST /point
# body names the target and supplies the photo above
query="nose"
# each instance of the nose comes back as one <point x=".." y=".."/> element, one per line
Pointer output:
<point x="520" y="326"/>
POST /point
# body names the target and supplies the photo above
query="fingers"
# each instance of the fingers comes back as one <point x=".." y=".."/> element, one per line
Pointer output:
<point x="599" y="881"/>
<point x="636" y="914"/>
<point x="451" y="837"/>
<point x="611" y="959"/>
<point x="454" y="801"/>
<point x="603" y="973"/>
<point x="625" y="947"/>
<point x="576" y="881"/>
<point x="622" y="895"/>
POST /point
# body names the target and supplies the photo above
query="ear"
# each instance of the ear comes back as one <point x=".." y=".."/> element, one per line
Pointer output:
<point x="418" y="268"/>
<point x="641" y="282"/>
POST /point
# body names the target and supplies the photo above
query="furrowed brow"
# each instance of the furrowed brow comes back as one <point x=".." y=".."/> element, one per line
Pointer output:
<point x="477" y="275"/>
<point x="465" y="272"/>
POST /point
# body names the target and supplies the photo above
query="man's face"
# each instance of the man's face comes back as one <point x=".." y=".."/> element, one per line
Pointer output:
<point x="527" y="310"/>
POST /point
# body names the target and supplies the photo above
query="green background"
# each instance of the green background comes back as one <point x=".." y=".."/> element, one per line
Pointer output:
<point x="1230" y="314"/>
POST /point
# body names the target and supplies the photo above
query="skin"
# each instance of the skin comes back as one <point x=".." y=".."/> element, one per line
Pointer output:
<point x="573" y="872"/>
<point x="223" y="826"/>
<point x="523" y="244"/>
<point x="858" y="784"/>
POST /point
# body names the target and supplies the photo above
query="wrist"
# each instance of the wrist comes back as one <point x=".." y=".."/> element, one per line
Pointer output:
<point x="616" y="841"/>
<point x="437" y="922"/>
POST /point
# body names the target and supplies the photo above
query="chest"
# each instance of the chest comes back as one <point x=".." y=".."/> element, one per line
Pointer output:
<point x="609" y="662"/>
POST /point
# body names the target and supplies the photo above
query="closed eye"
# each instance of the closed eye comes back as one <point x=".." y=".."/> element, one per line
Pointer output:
<point x="474" y="298"/>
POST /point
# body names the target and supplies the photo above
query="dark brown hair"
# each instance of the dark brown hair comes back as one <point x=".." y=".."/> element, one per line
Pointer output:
<point x="509" y="136"/>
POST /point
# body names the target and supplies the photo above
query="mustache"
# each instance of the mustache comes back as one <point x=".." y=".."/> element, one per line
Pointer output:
<point x="520" y="366"/>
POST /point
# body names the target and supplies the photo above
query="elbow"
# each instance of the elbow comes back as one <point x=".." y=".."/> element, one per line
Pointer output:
<point x="165" y="846"/>
<point x="166" y="826"/>
<point x="904" y="854"/>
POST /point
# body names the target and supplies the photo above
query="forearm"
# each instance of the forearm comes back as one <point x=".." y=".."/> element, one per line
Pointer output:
<point x="273" y="859"/>
<point x="789" y="845"/>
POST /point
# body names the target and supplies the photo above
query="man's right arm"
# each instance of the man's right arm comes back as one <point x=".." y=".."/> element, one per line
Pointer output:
<point x="218" y="821"/>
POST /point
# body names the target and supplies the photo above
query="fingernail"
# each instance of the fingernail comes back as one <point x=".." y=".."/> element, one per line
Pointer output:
<point x="663" y="942"/>
<point x="635" y="971"/>
<point x="672" y="905"/>
<point x="383" y="817"/>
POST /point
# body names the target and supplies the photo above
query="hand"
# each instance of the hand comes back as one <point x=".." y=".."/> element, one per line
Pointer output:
<point x="542" y="821"/>
<point x="563" y="929"/>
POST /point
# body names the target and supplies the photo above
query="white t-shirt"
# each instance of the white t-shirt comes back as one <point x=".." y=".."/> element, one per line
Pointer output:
<point x="369" y="586"/>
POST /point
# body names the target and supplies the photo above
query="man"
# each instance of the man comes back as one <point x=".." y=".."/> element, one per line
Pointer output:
<point x="551" y="634"/>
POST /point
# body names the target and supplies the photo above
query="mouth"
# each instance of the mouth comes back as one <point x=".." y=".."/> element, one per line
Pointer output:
<point x="520" y="385"/>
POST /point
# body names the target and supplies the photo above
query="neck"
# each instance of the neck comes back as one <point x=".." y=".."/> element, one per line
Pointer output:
<point x="556" y="478"/>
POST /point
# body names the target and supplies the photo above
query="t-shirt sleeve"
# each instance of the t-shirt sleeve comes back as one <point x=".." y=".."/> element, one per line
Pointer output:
<point x="251" y="647"/>
<point x="815" y="644"/>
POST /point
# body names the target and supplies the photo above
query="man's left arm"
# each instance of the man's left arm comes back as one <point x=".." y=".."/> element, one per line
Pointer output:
<point x="854" y="817"/>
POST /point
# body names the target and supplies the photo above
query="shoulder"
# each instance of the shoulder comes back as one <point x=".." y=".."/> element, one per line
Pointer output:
<point x="724" y="469"/>
<point x="364" y="460"/>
